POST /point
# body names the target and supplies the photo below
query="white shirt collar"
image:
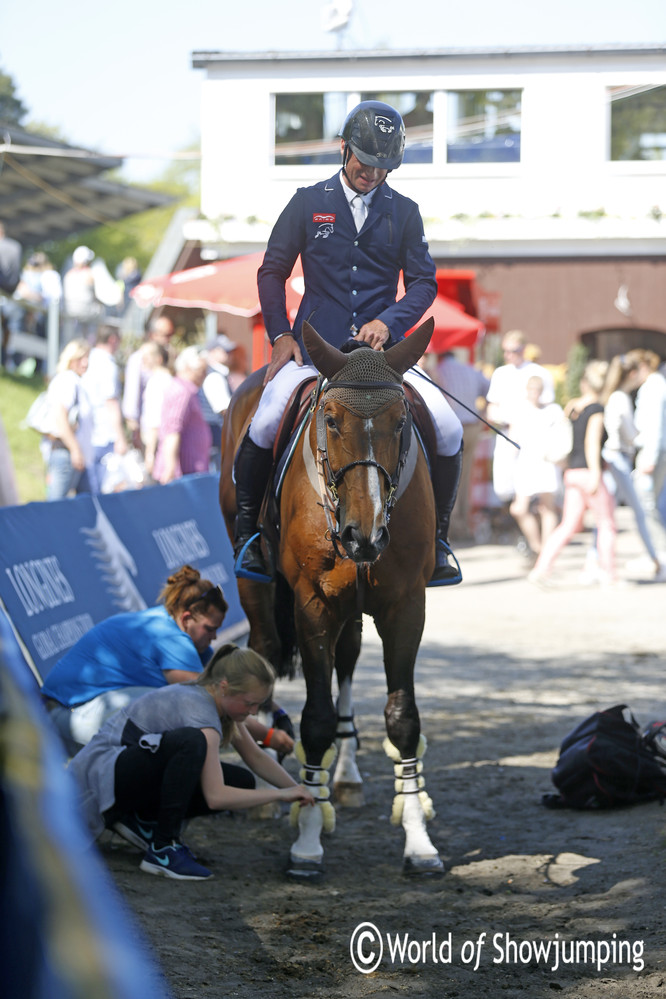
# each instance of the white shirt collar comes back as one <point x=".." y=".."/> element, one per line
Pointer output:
<point x="351" y="194"/>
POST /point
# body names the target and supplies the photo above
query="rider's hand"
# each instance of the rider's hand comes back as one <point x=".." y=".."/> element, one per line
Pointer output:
<point x="285" y="349"/>
<point x="375" y="333"/>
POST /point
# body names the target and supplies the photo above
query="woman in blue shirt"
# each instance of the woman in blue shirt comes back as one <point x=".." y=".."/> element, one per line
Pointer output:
<point x="126" y="655"/>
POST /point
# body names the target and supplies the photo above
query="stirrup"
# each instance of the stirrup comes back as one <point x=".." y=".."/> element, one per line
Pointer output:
<point x="242" y="573"/>
<point x="452" y="580"/>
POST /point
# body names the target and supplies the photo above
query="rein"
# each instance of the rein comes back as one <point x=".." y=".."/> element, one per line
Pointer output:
<point x="330" y="480"/>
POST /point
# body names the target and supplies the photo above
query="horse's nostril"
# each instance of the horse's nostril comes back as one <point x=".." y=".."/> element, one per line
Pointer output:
<point x="381" y="539"/>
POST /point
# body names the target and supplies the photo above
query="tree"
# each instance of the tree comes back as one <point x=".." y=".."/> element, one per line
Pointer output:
<point x="12" y="108"/>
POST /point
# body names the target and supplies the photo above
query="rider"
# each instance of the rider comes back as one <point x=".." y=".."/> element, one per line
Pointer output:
<point x="354" y="234"/>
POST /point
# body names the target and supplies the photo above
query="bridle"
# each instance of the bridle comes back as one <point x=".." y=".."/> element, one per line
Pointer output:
<point x="330" y="480"/>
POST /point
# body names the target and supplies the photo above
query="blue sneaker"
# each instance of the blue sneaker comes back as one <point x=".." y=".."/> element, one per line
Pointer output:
<point x="174" y="861"/>
<point x="138" y="832"/>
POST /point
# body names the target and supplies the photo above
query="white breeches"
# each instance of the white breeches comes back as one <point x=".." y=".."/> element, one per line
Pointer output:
<point x="277" y="393"/>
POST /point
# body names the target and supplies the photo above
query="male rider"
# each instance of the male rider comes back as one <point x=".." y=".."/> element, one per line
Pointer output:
<point x="354" y="234"/>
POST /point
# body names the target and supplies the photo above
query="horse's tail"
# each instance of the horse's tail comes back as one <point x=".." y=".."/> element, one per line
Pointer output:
<point x="289" y="657"/>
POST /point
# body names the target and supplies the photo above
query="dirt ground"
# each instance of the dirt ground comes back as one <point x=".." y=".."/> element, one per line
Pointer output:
<point x="504" y="673"/>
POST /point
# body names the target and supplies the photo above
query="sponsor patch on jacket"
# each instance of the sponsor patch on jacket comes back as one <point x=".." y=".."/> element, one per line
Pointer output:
<point x="320" y="217"/>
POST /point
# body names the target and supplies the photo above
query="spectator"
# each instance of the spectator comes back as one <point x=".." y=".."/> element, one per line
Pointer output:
<point x="469" y="384"/>
<point x="584" y="487"/>
<point x="536" y="479"/>
<point x="82" y="309"/>
<point x="129" y="276"/>
<point x="238" y="366"/>
<point x="185" y="438"/>
<point x="155" y="360"/>
<point x="10" y="273"/>
<point x="160" y="330"/>
<point x="620" y="448"/>
<point x="216" y="393"/>
<point x="102" y="383"/>
<point x="650" y="418"/>
<point x="67" y="449"/>
<point x="507" y="384"/>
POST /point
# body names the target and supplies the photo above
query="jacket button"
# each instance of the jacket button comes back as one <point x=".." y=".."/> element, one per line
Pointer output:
<point x="354" y="291"/>
<point x="354" y="268"/>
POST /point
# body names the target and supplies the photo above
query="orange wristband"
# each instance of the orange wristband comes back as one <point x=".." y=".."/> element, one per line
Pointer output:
<point x="268" y="737"/>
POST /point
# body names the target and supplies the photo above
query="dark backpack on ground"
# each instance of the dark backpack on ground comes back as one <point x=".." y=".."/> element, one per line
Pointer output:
<point x="606" y="762"/>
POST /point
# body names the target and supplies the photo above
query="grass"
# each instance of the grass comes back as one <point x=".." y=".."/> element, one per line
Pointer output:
<point x="16" y="395"/>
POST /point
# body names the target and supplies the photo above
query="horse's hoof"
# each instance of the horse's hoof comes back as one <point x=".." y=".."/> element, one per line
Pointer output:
<point x="349" y="795"/>
<point x="420" y="866"/>
<point x="311" y="871"/>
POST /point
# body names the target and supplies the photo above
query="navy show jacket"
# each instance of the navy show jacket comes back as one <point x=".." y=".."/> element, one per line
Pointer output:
<point x="350" y="278"/>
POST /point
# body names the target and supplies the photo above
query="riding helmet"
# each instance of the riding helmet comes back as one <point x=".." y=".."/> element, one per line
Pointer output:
<point x="375" y="133"/>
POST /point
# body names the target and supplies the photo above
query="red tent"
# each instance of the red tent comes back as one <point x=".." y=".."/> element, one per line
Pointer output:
<point x="220" y="286"/>
<point x="231" y="286"/>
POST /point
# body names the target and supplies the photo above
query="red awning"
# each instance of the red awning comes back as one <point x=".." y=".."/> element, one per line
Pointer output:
<point x="220" y="286"/>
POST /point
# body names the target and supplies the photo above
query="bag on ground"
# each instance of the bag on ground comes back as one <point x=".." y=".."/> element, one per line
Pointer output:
<point x="607" y="762"/>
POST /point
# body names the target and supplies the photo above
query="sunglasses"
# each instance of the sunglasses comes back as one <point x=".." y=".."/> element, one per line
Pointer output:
<point x="212" y="596"/>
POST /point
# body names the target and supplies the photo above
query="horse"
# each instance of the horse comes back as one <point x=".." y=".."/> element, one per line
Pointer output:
<point x="357" y="464"/>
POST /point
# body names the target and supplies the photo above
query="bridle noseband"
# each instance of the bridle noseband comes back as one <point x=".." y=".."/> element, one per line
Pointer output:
<point x="332" y="479"/>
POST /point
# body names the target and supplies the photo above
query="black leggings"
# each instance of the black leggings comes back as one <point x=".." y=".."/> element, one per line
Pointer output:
<point x="166" y="785"/>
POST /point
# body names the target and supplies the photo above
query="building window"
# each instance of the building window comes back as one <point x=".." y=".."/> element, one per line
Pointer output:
<point x="638" y="123"/>
<point x="483" y="126"/>
<point x="306" y="128"/>
<point x="416" y="110"/>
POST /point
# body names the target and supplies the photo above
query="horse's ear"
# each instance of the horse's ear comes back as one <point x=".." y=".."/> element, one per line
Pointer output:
<point x="327" y="359"/>
<point x="406" y="353"/>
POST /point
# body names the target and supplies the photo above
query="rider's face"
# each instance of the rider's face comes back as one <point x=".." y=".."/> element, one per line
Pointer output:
<point x="363" y="178"/>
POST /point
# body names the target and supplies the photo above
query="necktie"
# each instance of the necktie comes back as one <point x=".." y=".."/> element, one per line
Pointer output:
<point x="359" y="211"/>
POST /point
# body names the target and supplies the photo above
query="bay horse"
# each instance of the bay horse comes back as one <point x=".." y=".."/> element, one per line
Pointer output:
<point x="357" y="464"/>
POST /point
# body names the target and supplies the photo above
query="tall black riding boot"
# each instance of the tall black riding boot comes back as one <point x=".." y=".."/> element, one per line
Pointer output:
<point x="251" y="470"/>
<point x="445" y="479"/>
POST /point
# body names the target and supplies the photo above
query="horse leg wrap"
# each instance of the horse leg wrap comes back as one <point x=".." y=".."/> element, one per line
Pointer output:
<point x="316" y="779"/>
<point x="408" y="780"/>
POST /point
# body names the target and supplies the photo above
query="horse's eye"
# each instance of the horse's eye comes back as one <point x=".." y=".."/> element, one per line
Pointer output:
<point x="330" y="423"/>
<point x="400" y="425"/>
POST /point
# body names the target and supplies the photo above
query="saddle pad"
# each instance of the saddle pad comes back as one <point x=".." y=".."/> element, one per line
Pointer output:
<point x="422" y="421"/>
<point x="292" y="416"/>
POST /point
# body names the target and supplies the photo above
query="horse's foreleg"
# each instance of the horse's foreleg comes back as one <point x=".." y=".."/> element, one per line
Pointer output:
<point x="405" y="746"/>
<point x="316" y="752"/>
<point x="347" y="781"/>
<point x="412" y="806"/>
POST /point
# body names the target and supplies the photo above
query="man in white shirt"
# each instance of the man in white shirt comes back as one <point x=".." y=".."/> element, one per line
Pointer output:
<point x="102" y="384"/>
<point x="508" y="385"/>
<point x="215" y="393"/>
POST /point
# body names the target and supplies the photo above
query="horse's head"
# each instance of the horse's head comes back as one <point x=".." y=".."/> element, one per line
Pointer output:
<point x="363" y="431"/>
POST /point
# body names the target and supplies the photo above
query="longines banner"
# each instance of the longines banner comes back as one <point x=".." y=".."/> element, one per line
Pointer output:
<point x="64" y="566"/>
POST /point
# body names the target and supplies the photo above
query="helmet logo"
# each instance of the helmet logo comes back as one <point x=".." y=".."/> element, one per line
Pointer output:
<point x="384" y="124"/>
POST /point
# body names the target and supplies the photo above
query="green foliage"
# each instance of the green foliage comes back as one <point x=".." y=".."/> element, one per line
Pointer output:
<point x="577" y="358"/>
<point x="16" y="396"/>
<point x="12" y="108"/>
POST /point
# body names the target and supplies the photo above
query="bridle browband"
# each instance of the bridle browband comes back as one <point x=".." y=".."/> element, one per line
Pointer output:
<point x="332" y="479"/>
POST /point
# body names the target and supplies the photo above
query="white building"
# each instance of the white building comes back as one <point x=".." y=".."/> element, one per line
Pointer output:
<point x="543" y="169"/>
